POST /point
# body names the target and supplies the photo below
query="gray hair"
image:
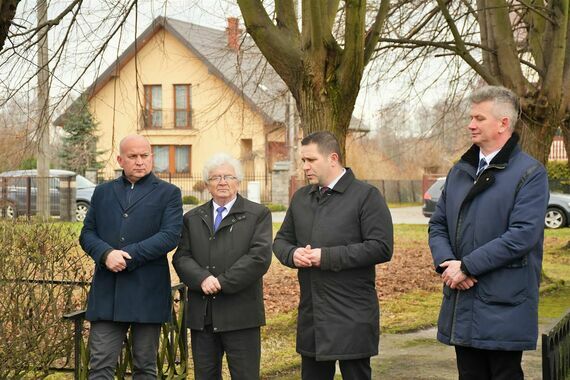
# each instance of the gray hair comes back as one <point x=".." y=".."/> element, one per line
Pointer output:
<point x="218" y="160"/>
<point x="505" y="102"/>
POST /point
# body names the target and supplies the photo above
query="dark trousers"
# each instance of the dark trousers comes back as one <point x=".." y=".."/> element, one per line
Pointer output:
<point x="477" y="364"/>
<point x="106" y="341"/>
<point x="242" y="349"/>
<point x="358" y="369"/>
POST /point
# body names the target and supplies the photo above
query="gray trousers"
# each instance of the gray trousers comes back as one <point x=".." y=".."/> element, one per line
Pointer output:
<point x="106" y="341"/>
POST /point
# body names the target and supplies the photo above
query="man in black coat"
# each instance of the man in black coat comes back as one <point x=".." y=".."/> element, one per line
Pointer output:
<point x="335" y="231"/>
<point x="133" y="222"/>
<point x="224" y="252"/>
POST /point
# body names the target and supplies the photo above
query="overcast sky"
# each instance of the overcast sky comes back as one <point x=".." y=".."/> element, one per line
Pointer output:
<point x="98" y="17"/>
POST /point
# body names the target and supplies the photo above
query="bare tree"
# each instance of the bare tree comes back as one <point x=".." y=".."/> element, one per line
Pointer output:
<point x="521" y="44"/>
<point x="323" y="72"/>
<point x="7" y="14"/>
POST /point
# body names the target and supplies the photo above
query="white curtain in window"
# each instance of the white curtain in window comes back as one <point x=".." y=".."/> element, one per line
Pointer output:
<point x="182" y="159"/>
<point x="160" y="154"/>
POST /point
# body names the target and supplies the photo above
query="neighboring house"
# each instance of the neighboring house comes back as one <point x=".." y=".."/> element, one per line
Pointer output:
<point x="557" y="150"/>
<point x="192" y="91"/>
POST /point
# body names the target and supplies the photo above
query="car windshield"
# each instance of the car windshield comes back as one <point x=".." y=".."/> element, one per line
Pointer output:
<point x="83" y="182"/>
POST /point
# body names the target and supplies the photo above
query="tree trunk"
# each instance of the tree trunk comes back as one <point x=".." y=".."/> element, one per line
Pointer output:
<point x="324" y="113"/>
<point x="536" y="132"/>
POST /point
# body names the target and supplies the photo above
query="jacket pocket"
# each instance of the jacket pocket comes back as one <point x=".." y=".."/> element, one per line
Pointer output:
<point x="445" y="319"/>
<point x="506" y="286"/>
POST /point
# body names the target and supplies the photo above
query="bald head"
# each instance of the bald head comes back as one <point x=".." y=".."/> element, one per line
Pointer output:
<point x="135" y="157"/>
<point x="130" y="139"/>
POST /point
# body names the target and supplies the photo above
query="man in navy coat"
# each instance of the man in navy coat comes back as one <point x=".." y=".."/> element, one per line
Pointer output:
<point x="133" y="222"/>
<point x="486" y="239"/>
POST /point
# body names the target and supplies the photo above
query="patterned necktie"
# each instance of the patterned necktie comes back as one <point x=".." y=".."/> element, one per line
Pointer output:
<point x="324" y="190"/>
<point x="482" y="165"/>
<point x="219" y="218"/>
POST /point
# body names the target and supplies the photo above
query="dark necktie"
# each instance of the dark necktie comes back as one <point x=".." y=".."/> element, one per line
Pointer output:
<point x="324" y="190"/>
<point x="219" y="218"/>
<point x="482" y="166"/>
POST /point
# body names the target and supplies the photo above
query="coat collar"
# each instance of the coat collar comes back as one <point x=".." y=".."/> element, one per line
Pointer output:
<point x="236" y="213"/>
<point x="487" y="178"/>
<point x="341" y="185"/>
<point x="144" y="186"/>
<point x="502" y="158"/>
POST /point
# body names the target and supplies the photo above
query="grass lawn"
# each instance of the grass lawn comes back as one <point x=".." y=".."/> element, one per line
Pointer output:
<point x="413" y="307"/>
<point x="418" y="309"/>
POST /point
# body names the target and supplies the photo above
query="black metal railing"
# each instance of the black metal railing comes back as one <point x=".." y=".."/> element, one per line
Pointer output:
<point x="556" y="350"/>
<point x="172" y="357"/>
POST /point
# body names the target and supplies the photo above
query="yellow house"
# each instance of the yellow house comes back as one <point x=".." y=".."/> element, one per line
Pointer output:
<point x="192" y="91"/>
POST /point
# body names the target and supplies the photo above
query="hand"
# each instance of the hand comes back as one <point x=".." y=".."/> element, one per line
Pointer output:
<point x="116" y="260"/>
<point x="315" y="257"/>
<point x="211" y="285"/>
<point x="468" y="283"/>
<point x="452" y="275"/>
<point x="300" y="257"/>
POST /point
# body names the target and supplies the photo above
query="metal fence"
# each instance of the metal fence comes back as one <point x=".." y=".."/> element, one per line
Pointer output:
<point x="399" y="191"/>
<point x="556" y="350"/>
<point x="195" y="185"/>
<point x="172" y="357"/>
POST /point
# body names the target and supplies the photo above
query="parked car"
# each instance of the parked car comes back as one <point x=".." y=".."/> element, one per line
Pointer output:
<point x="13" y="192"/>
<point x="557" y="214"/>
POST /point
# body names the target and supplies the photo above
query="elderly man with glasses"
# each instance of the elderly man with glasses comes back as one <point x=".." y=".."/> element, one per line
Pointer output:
<point x="224" y="252"/>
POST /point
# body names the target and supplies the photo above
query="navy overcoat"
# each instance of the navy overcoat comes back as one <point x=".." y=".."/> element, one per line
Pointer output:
<point x="147" y="227"/>
<point x="494" y="224"/>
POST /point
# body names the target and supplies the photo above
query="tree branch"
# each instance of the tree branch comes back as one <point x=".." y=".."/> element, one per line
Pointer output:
<point x="286" y="17"/>
<point x="281" y="50"/>
<point x="461" y="48"/>
<point x="352" y="60"/>
<point x="506" y="51"/>
<point x="317" y="25"/>
<point x="555" y="69"/>
<point x="373" y="34"/>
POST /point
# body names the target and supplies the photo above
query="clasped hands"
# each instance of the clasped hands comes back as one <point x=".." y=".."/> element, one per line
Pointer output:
<point x="116" y="260"/>
<point x="307" y="257"/>
<point x="211" y="285"/>
<point x="453" y="277"/>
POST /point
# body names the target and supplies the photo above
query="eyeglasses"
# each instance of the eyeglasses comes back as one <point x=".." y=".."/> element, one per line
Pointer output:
<point x="218" y="178"/>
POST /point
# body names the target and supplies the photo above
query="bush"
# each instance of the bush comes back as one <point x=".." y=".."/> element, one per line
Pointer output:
<point x="33" y="334"/>
<point x="275" y="207"/>
<point x="200" y="186"/>
<point x="190" y="200"/>
<point x="558" y="170"/>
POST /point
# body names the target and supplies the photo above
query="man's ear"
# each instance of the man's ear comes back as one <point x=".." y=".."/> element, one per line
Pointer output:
<point x="505" y="124"/>
<point x="333" y="157"/>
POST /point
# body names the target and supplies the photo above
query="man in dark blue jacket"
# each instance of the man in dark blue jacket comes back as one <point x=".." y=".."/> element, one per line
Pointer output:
<point x="133" y="222"/>
<point x="486" y="240"/>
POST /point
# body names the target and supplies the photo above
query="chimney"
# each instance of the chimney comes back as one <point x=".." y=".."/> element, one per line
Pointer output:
<point x="233" y="33"/>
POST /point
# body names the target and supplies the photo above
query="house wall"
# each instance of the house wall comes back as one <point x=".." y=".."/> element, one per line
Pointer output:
<point x="220" y="118"/>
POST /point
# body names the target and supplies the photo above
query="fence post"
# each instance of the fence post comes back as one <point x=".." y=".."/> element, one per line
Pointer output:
<point x="67" y="193"/>
<point x="29" y="197"/>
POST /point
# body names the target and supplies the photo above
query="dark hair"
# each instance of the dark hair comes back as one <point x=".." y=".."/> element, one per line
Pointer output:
<point x="325" y="141"/>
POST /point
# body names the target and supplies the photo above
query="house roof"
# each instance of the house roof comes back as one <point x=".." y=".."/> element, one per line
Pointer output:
<point x="247" y="73"/>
